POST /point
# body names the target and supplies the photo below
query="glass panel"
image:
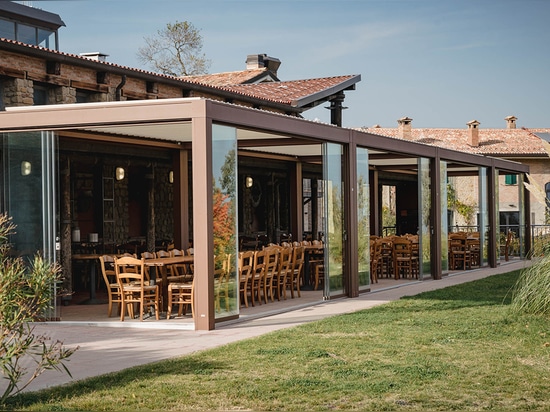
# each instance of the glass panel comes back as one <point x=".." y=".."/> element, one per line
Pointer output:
<point x="7" y="29"/>
<point x="26" y="34"/>
<point x="483" y="220"/>
<point x="29" y="193"/>
<point x="224" y="170"/>
<point x="444" y="217"/>
<point x="334" y="223"/>
<point x="363" y="224"/>
<point x="522" y="211"/>
<point x="424" y="210"/>
<point x="46" y="38"/>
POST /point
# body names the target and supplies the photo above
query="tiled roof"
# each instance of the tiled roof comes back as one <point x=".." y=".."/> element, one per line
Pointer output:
<point x="291" y="92"/>
<point x="230" y="78"/>
<point x="287" y="92"/>
<point x="492" y="142"/>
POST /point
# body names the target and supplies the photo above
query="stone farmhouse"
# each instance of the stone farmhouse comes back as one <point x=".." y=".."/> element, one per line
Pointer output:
<point x="519" y="144"/>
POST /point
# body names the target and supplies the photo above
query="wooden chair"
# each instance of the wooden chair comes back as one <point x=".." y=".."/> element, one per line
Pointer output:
<point x="402" y="258"/>
<point x="256" y="276"/>
<point x="246" y="265"/>
<point x="386" y="257"/>
<point x="271" y="258"/>
<point x="284" y="262"/>
<point x="149" y="255"/>
<point x="181" y="294"/>
<point x="221" y="282"/>
<point x="179" y="272"/>
<point x="296" y="272"/>
<point x="459" y="256"/>
<point x="375" y="259"/>
<point x="106" y="262"/>
<point x="474" y="247"/>
<point x="134" y="287"/>
<point x="319" y="272"/>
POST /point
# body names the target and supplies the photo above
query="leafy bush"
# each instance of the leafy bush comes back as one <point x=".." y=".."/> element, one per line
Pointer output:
<point x="27" y="291"/>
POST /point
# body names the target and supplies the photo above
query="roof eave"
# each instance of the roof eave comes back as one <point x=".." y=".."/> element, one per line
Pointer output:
<point x="325" y="94"/>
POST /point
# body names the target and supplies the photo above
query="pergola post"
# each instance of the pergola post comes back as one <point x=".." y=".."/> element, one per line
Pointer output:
<point x="203" y="241"/>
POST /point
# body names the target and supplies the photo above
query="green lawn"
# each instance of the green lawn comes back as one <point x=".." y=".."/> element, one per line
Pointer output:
<point x="457" y="348"/>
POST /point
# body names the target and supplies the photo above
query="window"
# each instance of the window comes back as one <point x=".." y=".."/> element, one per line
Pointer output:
<point x="547" y="190"/>
<point x="7" y="29"/>
<point x="40" y="96"/>
<point x="511" y="179"/>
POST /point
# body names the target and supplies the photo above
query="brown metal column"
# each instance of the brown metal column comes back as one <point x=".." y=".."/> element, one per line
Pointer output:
<point x="527" y="216"/>
<point x="203" y="242"/>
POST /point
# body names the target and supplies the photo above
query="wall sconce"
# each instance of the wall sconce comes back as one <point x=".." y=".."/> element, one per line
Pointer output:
<point x="248" y="181"/>
<point x="171" y="176"/>
<point x="26" y="168"/>
<point x="119" y="173"/>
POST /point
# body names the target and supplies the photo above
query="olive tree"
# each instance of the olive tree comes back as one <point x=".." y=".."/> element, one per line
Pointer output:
<point x="175" y="50"/>
<point x="27" y="290"/>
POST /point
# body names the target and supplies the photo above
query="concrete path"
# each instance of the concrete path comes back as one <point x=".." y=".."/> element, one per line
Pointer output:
<point x="109" y="349"/>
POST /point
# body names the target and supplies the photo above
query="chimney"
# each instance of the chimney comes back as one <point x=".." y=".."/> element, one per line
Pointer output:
<point x="511" y="122"/>
<point x="100" y="57"/>
<point x="473" y="133"/>
<point x="259" y="61"/>
<point x="405" y="128"/>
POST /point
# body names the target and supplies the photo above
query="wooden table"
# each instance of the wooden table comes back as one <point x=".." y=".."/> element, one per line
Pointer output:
<point x="163" y="263"/>
<point x="94" y="258"/>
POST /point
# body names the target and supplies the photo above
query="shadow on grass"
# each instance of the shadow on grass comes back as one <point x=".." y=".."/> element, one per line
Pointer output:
<point x="181" y="366"/>
<point x="492" y="290"/>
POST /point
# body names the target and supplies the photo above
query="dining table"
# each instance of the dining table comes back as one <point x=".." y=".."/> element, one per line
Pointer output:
<point x="91" y="261"/>
<point x="162" y="264"/>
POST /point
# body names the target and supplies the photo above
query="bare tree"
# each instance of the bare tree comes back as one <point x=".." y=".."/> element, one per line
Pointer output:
<point x="175" y="51"/>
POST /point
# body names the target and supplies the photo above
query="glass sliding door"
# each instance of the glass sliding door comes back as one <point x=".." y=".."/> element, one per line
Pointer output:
<point x="224" y="186"/>
<point x="363" y="223"/>
<point x="29" y="195"/>
<point x="483" y="216"/>
<point x="443" y="209"/>
<point x="30" y="190"/>
<point x="424" y="211"/>
<point x="334" y="221"/>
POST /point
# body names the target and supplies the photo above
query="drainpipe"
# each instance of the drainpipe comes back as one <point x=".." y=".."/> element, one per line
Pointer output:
<point x="2" y="105"/>
<point x="118" y="91"/>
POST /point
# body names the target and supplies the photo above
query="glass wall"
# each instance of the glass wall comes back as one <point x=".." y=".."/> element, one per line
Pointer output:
<point x="424" y="210"/>
<point x="334" y="224"/>
<point x="483" y="217"/>
<point x="363" y="223"/>
<point x="443" y="209"/>
<point x="29" y="191"/>
<point x="224" y="171"/>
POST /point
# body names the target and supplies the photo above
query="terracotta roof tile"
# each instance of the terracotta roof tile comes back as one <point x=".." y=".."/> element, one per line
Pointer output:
<point x="492" y="142"/>
<point x="288" y="92"/>
<point x="228" y="78"/>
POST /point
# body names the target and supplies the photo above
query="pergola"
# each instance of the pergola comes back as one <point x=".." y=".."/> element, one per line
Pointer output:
<point x="213" y="136"/>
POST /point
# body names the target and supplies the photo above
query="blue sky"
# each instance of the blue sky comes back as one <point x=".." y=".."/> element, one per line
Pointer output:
<point x="440" y="62"/>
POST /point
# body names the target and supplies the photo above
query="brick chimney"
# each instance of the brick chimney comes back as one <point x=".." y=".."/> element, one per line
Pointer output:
<point x="259" y="61"/>
<point x="473" y="133"/>
<point x="404" y="128"/>
<point x="511" y="122"/>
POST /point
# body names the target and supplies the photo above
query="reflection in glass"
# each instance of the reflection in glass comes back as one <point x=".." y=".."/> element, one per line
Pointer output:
<point x="424" y="206"/>
<point x="363" y="223"/>
<point x="333" y="190"/>
<point x="444" y="217"/>
<point x="224" y="185"/>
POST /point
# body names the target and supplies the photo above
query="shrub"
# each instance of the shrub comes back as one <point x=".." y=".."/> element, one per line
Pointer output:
<point x="27" y="290"/>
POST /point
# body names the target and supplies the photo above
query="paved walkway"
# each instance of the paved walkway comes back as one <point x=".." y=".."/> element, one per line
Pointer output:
<point x="109" y="349"/>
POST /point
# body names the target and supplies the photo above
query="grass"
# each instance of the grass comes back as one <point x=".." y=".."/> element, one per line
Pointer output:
<point x="458" y="348"/>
